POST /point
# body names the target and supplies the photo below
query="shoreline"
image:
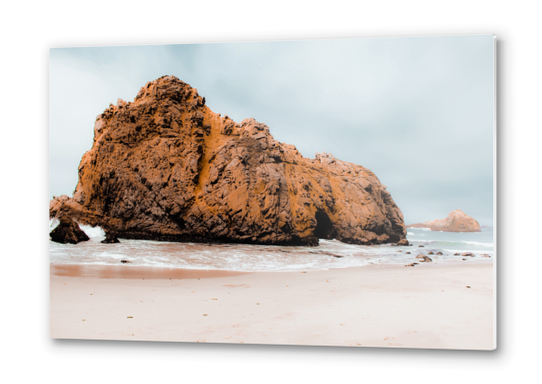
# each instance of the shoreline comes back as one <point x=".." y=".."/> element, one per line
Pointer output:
<point x="253" y="258"/>
<point x="126" y="271"/>
<point x="135" y="272"/>
<point x="437" y="305"/>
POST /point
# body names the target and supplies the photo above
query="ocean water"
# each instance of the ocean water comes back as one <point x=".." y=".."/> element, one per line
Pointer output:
<point x="252" y="258"/>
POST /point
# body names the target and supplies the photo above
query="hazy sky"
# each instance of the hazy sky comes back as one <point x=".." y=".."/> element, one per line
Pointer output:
<point x="418" y="111"/>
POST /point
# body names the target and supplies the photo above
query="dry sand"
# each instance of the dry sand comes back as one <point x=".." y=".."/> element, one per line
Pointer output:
<point x="427" y="306"/>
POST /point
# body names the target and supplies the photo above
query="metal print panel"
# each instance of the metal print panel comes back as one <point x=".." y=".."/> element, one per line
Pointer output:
<point x="319" y="192"/>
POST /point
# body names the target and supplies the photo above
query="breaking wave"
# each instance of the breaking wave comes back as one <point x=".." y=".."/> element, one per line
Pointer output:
<point x="252" y="258"/>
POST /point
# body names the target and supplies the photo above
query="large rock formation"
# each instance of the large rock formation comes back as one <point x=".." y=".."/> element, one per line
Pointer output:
<point x="166" y="167"/>
<point x="456" y="221"/>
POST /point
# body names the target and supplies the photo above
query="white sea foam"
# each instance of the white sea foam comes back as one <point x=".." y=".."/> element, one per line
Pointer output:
<point x="460" y="251"/>
<point x="93" y="232"/>
<point x="53" y="223"/>
<point x="478" y="243"/>
<point x="247" y="257"/>
<point x="429" y="241"/>
<point x="118" y="256"/>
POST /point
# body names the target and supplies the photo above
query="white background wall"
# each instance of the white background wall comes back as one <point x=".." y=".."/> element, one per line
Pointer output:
<point x="28" y="30"/>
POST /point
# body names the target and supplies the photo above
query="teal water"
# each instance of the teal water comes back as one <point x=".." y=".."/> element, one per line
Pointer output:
<point x="480" y="242"/>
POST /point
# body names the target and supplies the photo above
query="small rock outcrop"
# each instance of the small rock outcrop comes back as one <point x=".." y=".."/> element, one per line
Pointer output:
<point x="423" y="258"/>
<point x="68" y="231"/>
<point x="456" y="221"/>
<point x="166" y="167"/>
<point x="110" y="239"/>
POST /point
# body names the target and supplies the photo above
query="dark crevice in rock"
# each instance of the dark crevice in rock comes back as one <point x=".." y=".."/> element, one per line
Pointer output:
<point x="324" y="227"/>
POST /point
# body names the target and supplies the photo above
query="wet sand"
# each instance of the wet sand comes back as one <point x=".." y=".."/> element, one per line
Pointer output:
<point x="135" y="272"/>
<point x="427" y="306"/>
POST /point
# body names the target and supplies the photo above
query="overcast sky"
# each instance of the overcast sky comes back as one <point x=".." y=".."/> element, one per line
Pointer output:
<point x="418" y="111"/>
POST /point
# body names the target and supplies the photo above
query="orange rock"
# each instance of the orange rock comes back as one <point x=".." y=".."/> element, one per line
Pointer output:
<point x="456" y="221"/>
<point x="403" y="242"/>
<point x="166" y="167"/>
<point x="423" y="258"/>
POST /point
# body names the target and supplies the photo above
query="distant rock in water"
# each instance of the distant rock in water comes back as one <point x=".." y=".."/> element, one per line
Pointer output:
<point x="166" y="167"/>
<point x="68" y="231"/>
<point x="456" y="221"/>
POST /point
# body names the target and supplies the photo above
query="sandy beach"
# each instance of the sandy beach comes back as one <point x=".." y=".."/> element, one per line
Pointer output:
<point x="438" y="305"/>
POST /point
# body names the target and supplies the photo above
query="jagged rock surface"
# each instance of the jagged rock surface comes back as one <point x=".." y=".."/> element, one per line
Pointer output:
<point x="166" y="167"/>
<point x="456" y="221"/>
<point x="67" y="231"/>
